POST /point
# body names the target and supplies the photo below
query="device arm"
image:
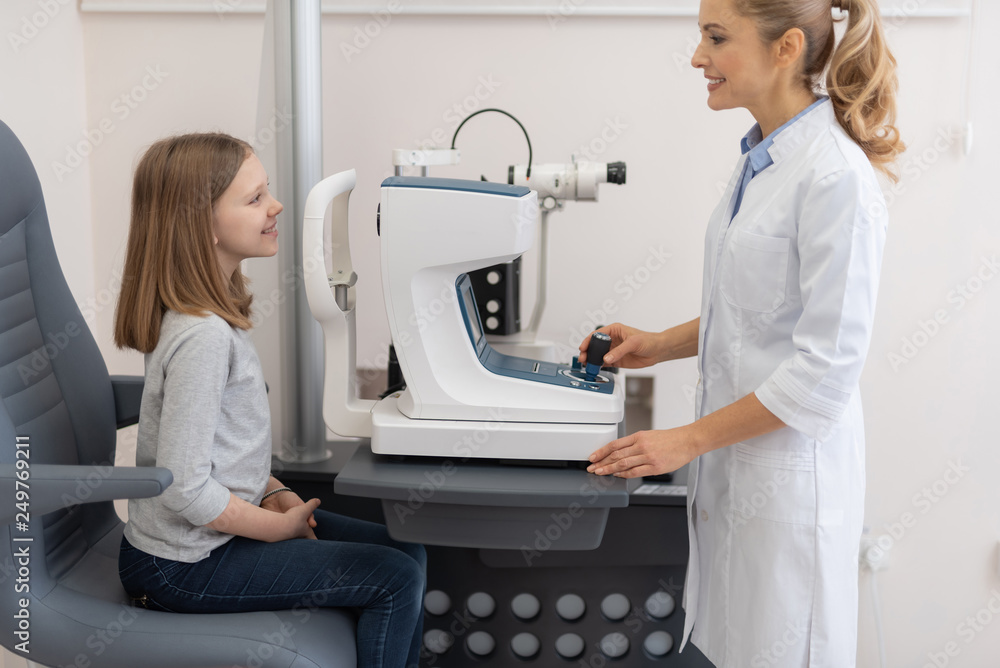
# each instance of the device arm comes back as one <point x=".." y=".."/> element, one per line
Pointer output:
<point x="331" y="300"/>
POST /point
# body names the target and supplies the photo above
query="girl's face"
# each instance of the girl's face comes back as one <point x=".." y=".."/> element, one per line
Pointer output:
<point x="244" y="219"/>
<point x="739" y="67"/>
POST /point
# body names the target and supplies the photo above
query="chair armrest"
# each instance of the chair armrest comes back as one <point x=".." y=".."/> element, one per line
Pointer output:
<point x="128" y="397"/>
<point x="49" y="487"/>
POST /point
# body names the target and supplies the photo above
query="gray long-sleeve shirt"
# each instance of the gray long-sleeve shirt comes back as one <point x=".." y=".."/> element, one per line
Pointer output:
<point x="204" y="416"/>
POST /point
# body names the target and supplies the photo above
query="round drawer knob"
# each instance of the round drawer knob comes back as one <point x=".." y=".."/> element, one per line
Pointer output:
<point x="658" y="643"/>
<point x="571" y="607"/>
<point x="480" y="643"/>
<point x="660" y="605"/>
<point x="437" y="602"/>
<point x="480" y="605"/>
<point x="569" y="645"/>
<point x="615" y="606"/>
<point x="438" y="641"/>
<point x="525" y="645"/>
<point x="614" y="645"/>
<point x="525" y="606"/>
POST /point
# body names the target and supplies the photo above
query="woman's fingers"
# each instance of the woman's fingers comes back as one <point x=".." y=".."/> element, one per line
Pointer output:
<point x="627" y="347"/>
<point x="615" y="456"/>
<point x="614" y="331"/>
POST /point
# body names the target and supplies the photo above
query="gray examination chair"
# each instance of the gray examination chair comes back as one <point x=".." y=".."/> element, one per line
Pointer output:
<point x="61" y="602"/>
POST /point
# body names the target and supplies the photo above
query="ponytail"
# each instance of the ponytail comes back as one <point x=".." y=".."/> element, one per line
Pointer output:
<point x="861" y="83"/>
<point x="861" y="71"/>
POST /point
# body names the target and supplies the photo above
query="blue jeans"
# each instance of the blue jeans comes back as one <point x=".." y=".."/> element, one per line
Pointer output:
<point x="354" y="564"/>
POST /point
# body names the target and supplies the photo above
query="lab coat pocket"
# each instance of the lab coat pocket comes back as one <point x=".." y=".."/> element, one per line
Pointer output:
<point x="778" y="486"/>
<point x="755" y="271"/>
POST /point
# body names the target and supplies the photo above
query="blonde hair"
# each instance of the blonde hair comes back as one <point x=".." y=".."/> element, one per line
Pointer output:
<point x="861" y="71"/>
<point x="170" y="260"/>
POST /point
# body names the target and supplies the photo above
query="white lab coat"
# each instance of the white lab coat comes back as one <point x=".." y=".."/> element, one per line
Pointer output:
<point x="787" y="308"/>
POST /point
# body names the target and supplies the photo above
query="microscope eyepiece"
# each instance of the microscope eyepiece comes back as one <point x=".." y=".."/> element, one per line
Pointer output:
<point x="616" y="172"/>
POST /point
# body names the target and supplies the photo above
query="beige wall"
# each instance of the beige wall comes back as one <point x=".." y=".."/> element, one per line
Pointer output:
<point x="568" y="83"/>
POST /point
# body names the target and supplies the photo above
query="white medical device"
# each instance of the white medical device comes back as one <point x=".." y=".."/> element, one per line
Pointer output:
<point x="575" y="181"/>
<point x="462" y="397"/>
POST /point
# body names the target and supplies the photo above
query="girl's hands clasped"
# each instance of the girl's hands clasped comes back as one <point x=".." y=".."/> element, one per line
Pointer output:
<point x="644" y="453"/>
<point x="300" y="517"/>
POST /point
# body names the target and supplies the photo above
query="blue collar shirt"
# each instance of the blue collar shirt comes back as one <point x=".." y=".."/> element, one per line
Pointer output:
<point x="758" y="146"/>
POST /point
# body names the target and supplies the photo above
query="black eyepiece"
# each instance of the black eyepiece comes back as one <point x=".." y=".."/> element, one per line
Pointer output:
<point x="616" y="172"/>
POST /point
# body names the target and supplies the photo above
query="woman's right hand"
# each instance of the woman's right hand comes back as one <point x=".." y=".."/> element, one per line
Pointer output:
<point x="631" y="348"/>
<point x="298" y="519"/>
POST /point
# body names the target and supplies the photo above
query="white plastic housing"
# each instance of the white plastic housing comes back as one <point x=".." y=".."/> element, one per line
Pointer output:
<point x="343" y="412"/>
<point x="575" y="181"/>
<point x="428" y="238"/>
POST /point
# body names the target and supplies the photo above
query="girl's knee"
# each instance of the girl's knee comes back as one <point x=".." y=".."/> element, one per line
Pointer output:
<point x="412" y="573"/>
<point x="416" y="552"/>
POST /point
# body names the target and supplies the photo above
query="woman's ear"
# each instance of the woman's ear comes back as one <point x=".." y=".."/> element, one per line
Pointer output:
<point x="789" y="48"/>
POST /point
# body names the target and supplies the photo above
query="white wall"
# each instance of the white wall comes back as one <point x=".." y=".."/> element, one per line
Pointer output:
<point x="42" y="99"/>
<point x="568" y="83"/>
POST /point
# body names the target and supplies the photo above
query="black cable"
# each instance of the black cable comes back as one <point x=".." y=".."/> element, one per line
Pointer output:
<point x="475" y="113"/>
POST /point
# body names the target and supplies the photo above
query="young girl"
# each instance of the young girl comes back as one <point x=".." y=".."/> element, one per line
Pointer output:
<point x="226" y="536"/>
<point x="792" y="259"/>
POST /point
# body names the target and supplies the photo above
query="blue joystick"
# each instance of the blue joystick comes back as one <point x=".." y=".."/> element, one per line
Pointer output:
<point x="600" y="344"/>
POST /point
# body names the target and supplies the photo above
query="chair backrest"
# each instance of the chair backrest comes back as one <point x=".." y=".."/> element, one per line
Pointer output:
<point x="55" y="393"/>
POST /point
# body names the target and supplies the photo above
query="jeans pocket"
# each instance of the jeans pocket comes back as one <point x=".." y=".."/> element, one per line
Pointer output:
<point x="167" y="567"/>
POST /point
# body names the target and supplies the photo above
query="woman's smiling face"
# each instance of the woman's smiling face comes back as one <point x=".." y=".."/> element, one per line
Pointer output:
<point x="739" y="66"/>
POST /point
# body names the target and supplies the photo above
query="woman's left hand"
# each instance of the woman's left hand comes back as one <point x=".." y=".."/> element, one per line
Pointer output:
<point x="644" y="453"/>
<point x="282" y="501"/>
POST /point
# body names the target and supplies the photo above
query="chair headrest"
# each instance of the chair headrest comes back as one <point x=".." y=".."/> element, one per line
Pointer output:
<point x="20" y="191"/>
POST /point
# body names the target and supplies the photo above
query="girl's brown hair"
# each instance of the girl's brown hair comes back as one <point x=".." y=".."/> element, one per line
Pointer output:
<point x="170" y="260"/>
<point x="861" y="71"/>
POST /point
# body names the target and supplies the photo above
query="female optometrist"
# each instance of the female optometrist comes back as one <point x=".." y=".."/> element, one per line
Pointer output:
<point x="792" y="258"/>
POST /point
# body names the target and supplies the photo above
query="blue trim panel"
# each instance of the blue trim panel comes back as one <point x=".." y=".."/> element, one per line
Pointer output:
<point x="463" y="185"/>
<point x="517" y="367"/>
